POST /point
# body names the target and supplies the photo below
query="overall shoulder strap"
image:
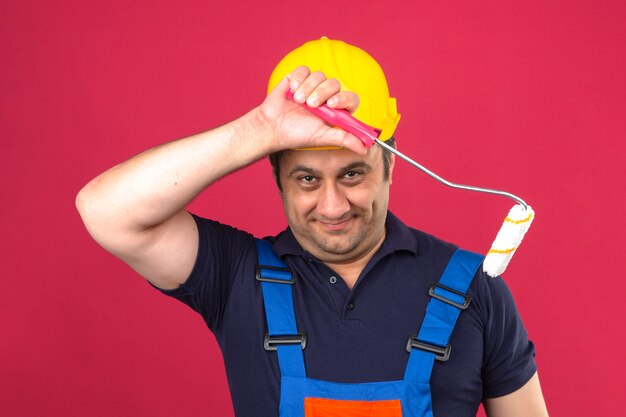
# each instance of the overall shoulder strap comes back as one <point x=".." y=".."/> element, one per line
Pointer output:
<point x="449" y="297"/>
<point x="276" y="283"/>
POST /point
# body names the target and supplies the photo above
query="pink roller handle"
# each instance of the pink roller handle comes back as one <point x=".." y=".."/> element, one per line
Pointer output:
<point x="344" y="120"/>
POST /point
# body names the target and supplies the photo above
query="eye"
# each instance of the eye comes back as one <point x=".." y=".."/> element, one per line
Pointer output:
<point x="352" y="177"/>
<point x="308" y="182"/>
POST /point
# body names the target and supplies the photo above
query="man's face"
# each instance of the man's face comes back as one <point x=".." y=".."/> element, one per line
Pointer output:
<point x="335" y="201"/>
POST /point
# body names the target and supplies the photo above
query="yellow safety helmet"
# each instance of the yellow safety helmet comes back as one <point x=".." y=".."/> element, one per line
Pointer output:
<point x="356" y="70"/>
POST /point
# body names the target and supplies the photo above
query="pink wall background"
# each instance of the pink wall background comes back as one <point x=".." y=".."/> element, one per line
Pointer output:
<point x="522" y="96"/>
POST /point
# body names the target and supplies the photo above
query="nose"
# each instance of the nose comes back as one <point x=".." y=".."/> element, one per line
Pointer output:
<point x="332" y="202"/>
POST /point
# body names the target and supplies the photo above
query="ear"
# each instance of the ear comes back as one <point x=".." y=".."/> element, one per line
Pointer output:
<point x="392" y="163"/>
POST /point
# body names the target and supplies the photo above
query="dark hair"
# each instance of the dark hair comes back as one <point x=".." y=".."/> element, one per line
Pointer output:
<point x="275" y="161"/>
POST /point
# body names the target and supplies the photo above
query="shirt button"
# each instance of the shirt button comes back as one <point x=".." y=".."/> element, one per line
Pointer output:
<point x="350" y="306"/>
<point x="333" y="280"/>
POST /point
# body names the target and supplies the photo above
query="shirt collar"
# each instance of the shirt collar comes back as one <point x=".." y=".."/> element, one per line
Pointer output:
<point x="399" y="237"/>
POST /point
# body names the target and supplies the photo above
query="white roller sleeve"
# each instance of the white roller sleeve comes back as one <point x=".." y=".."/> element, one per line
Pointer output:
<point x="508" y="240"/>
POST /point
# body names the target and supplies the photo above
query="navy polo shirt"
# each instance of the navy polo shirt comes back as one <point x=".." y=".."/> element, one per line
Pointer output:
<point x="356" y="335"/>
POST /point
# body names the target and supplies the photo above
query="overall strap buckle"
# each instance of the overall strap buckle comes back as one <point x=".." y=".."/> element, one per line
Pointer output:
<point x="441" y="353"/>
<point x="460" y="305"/>
<point x="274" y="274"/>
<point x="270" y="343"/>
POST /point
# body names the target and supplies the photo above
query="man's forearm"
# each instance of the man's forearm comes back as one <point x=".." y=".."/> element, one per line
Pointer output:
<point x="153" y="186"/>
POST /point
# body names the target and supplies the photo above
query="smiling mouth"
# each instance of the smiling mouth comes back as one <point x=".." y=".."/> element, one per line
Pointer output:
<point x="335" y="225"/>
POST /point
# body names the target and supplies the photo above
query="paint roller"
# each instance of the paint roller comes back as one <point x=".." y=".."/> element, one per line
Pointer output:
<point x="515" y="225"/>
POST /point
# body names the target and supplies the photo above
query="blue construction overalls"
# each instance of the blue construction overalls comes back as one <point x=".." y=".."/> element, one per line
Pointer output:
<point x="410" y="397"/>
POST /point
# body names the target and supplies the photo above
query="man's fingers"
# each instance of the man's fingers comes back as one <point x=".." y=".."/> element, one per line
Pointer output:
<point x="323" y="91"/>
<point x="353" y="143"/>
<point x="337" y="137"/>
<point x="346" y="100"/>
<point x="297" y="77"/>
<point x="314" y="89"/>
<point x="308" y="86"/>
<point x="281" y="88"/>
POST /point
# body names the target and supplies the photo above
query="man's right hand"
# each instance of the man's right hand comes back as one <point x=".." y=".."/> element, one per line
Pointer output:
<point x="293" y="126"/>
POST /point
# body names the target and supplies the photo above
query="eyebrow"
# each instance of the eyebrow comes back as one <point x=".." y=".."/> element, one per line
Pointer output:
<point x="311" y="171"/>
<point x="359" y="164"/>
<point x="302" y="168"/>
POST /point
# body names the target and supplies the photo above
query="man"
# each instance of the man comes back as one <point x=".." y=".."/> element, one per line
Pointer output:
<point x="361" y="278"/>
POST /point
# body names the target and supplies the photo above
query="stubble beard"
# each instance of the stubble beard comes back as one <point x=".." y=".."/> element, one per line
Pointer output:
<point x="344" y="247"/>
<point x="347" y="248"/>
